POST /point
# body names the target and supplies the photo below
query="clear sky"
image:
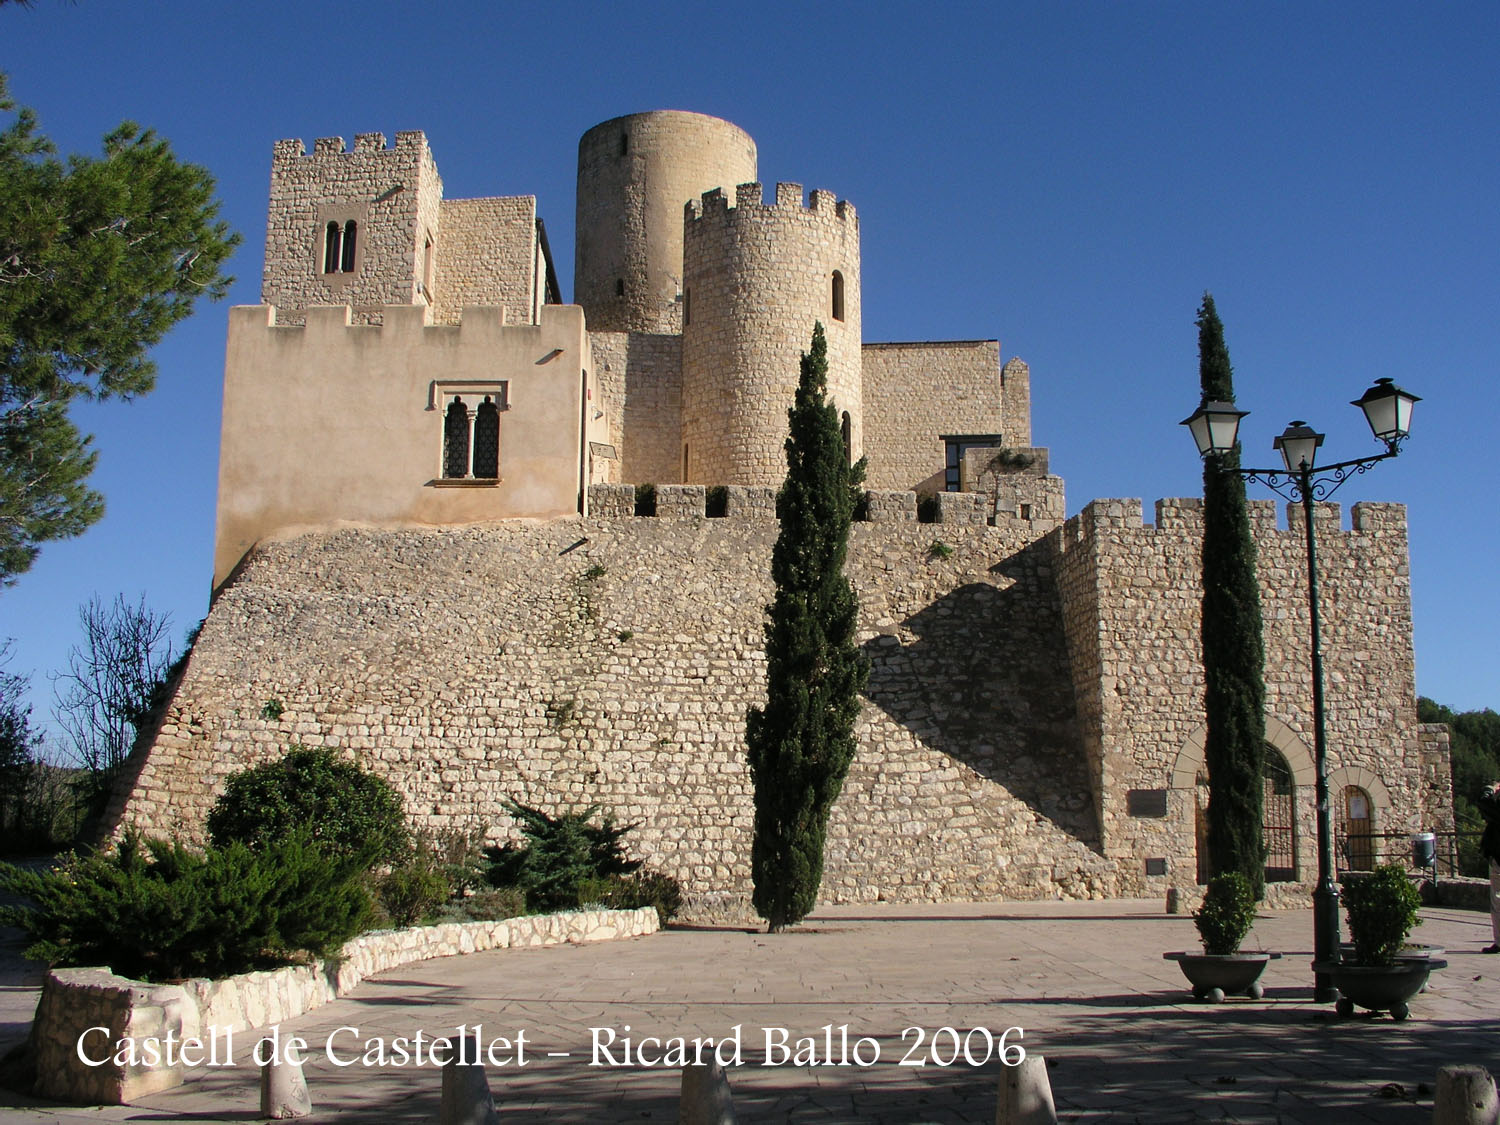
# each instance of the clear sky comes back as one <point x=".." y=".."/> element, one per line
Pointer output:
<point x="1069" y="177"/>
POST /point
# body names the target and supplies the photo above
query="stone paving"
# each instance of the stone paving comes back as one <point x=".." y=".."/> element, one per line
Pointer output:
<point x="1086" y="982"/>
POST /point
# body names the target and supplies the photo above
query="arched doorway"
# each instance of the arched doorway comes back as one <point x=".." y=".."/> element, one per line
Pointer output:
<point x="1357" y="829"/>
<point x="1278" y="820"/>
<point x="1279" y="825"/>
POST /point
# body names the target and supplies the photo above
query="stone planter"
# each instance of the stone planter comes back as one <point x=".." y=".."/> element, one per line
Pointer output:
<point x="1380" y="988"/>
<point x="1217" y="975"/>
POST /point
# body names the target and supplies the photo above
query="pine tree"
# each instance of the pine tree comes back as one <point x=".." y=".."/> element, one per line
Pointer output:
<point x="801" y="743"/>
<point x="99" y="258"/>
<point x="1234" y="697"/>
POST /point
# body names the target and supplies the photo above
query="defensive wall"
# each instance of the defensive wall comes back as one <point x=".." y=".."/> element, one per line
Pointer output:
<point x="1026" y="677"/>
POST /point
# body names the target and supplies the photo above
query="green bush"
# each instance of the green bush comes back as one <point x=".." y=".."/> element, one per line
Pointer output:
<point x="1227" y="913"/>
<point x="413" y="891"/>
<point x="490" y="904"/>
<point x="646" y="888"/>
<point x="561" y="855"/>
<point x="346" y="811"/>
<point x="159" y="911"/>
<point x="1382" y="909"/>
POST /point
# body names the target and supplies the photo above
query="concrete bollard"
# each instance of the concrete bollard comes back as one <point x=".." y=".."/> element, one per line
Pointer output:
<point x="1026" y="1094"/>
<point x="1465" y="1096"/>
<point x="705" y="1096"/>
<point x="466" y="1095"/>
<point x="283" y="1089"/>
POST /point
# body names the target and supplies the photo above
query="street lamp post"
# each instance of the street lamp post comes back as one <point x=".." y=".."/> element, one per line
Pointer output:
<point x="1215" y="428"/>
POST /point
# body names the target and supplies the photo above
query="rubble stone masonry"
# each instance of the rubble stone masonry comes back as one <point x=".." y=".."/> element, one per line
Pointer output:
<point x="1023" y="682"/>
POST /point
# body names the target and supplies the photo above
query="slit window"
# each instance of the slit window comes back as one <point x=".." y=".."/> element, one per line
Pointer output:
<point x="846" y="429"/>
<point x="838" y="295"/>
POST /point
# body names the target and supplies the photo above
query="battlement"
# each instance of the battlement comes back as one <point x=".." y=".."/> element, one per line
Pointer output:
<point x="789" y="199"/>
<point x="1184" y="515"/>
<point x="293" y="148"/>
<point x="322" y="321"/>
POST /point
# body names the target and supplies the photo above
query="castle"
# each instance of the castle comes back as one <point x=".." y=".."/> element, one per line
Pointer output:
<point x="431" y="551"/>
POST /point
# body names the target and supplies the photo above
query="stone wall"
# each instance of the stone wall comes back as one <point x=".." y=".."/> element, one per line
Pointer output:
<point x="642" y="377"/>
<point x="1032" y="727"/>
<point x="757" y="277"/>
<point x="486" y="255"/>
<point x="73" y="1001"/>
<point x="915" y="393"/>
<point x="392" y="194"/>
<point x="1133" y="599"/>
<point x="611" y="661"/>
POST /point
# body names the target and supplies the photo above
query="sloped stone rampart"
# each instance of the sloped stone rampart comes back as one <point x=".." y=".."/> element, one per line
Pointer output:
<point x="611" y="661"/>
<point x="76" y="1000"/>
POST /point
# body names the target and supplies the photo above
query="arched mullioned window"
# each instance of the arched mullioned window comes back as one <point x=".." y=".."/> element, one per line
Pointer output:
<point x="456" y="440"/>
<point x="339" y="243"/>
<point x="838" y="295"/>
<point x="487" y="440"/>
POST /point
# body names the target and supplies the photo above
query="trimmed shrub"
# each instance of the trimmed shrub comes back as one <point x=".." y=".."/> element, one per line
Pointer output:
<point x="1382" y="909"/>
<point x="561" y="855"/>
<point x="158" y="911"/>
<point x="412" y="892"/>
<point x="1227" y="913"/>
<point x="344" y="810"/>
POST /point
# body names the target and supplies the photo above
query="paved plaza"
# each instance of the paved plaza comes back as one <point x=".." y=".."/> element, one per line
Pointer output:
<point x="1085" y="981"/>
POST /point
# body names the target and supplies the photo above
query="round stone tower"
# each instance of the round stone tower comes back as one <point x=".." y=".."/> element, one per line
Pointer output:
<point x="757" y="277"/>
<point x="635" y="174"/>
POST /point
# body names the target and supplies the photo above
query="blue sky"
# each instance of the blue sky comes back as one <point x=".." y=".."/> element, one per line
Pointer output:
<point x="1070" y="177"/>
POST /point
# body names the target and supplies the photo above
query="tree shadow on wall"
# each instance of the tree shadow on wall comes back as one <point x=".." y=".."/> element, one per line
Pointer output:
<point x="987" y="682"/>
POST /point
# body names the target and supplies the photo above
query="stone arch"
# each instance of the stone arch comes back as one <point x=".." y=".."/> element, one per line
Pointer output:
<point x="1380" y="796"/>
<point x="1296" y="752"/>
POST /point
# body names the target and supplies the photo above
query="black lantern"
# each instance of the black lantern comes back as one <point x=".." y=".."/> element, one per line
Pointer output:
<point x="1299" y="446"/>
<point x="1215" y="427"/>
<point x="1388" y="410"/>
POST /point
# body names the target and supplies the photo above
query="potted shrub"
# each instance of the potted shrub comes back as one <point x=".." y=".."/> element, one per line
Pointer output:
<point x="1221" y="970"/>
<point x="1381" y="976"/>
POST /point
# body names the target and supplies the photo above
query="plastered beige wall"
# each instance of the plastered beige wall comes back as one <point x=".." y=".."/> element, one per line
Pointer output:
<point x="327" y="423"/>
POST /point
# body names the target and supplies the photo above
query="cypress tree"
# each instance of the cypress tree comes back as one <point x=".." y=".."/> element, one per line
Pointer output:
<point x="801" y="743"/>
<point x="1233" y="655"/>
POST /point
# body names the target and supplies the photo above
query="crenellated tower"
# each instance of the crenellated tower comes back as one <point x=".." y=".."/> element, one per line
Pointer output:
<point x="354" y="227"/>
<point x="634" y="175"/>
<point x="756" y="277"/>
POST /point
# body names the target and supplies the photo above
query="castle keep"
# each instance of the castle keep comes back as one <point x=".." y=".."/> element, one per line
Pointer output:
<point x="428" y="552"/>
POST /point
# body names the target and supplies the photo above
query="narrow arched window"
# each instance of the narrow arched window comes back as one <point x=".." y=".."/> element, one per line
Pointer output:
<point x="838" y="295"/>
<point x="687" y="307"/>
<point x="456" y="440"/>
<point x="487" y="440"/>
<point x="351" y="232"/>
<point x="847" y="429"/>
<point x="332" y="240"/>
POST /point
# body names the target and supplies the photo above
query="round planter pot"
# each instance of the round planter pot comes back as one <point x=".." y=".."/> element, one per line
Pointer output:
<point x="1380" y="988"/>
<point x="1217" y="975"/>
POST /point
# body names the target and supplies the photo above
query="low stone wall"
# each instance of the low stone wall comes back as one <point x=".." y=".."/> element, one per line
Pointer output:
<point x="1457" y="893"/>
<point x="74" y="1002"/>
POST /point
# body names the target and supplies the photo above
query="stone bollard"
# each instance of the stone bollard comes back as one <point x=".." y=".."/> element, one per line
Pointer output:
<point x="466" y="1095"/>
<point x="1174" y="901"/>
<point x="1465" y="1096"/>
<point x="1026" y="1094"/>
<point x="705" y="1096"/>
<point x="283" y="1089"/>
